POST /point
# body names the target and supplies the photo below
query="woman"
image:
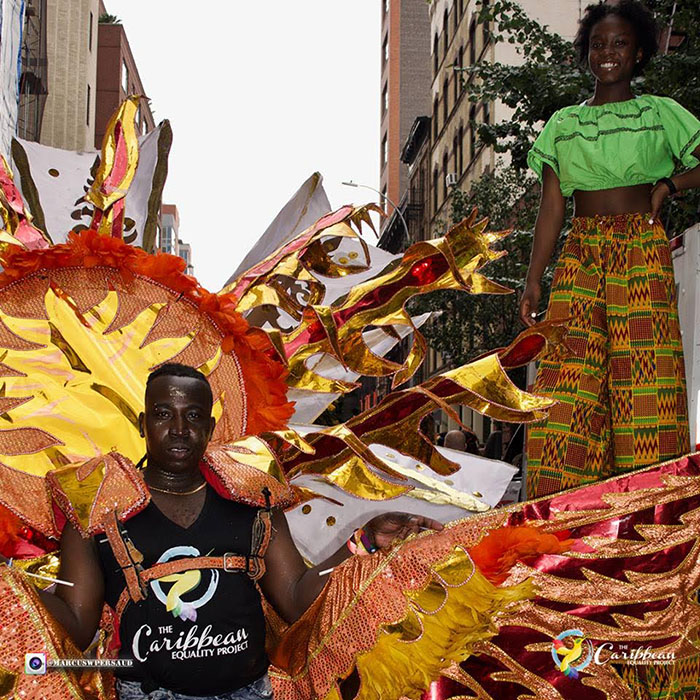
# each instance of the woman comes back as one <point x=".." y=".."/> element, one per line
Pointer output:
<point x="621" y="392"/>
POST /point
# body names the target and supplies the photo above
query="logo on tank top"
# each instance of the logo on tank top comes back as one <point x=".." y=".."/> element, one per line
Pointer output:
<point x="177" y="600"/>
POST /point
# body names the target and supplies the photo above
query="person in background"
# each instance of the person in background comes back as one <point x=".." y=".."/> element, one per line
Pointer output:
<point x="456" y="440"/>
<point x="493" y="449"/>
<point x="427" y="427"/>
<point x="472" y="442"/>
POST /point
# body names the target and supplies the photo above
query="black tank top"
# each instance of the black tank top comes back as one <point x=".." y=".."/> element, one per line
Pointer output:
<point x="201" y="632"/>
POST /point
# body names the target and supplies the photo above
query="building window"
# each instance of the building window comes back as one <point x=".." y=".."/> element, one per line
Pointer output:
<point x="485" y="26"/>
<point x="87" y="116"/>
<point x="385" y="99"/>
<point x="461" y="7"/>
<point x="446" y="34"/>
<point x="385" y="49"/>
<point x="455" y="19"/>
<point x="166" y="239"/>
<point x="436" y="177"/>
<point x="445" y="104"/>
<point x="472" y="132"/>
<point x="472" y="41"/>
<point x="460" y="61"/>
<point x="487" y="113"/>
<point x="444" y="176"/>
<point x="385" y="151"/>
<point x="90" y="29"/>
<point x="436" y="131"/>
<point x="455" y="152"/>
<point x="458" y="72"/>
<point x="436" y="61"/>
<point x="460" y="150"/>
<point x="125" y="77"/>
<point x="386" y="5"/>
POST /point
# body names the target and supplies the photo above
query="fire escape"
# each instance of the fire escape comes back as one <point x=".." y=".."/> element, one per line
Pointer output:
<point x="33" y="83"/>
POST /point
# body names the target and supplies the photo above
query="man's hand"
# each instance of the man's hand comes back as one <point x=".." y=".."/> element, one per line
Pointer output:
<point x="387" y="528"/>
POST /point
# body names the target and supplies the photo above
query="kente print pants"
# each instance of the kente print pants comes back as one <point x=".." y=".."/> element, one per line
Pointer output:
<point x="621" y="385"/>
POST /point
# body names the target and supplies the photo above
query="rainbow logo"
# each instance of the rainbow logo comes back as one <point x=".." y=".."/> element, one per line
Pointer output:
<point x="570" y="659"/>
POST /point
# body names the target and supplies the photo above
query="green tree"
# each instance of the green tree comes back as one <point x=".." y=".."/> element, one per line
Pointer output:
<point x="106" y="18"/>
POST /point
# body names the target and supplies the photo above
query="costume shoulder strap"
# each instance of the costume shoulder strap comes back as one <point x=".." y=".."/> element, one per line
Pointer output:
<point x="86" y="493"/>
<point x="247" y="471"/>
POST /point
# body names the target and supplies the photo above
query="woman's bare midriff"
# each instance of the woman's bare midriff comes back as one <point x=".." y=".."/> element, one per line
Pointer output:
<point x="635" y="199"/>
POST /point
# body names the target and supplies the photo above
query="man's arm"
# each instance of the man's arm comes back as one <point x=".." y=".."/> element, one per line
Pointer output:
<point x="78" y="607"/>
<point x="291" y="586"/>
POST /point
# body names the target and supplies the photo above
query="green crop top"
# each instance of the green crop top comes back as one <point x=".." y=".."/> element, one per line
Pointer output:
<point x="616" y="144"/>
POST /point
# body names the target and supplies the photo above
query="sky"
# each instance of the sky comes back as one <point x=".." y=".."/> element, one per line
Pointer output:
<point x="259" y="95"/>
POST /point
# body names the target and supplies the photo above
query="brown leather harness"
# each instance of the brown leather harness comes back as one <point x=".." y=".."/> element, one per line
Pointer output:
<point x="137" y="578"/>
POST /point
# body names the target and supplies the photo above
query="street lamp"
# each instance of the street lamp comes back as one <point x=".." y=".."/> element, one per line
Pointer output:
<point x="350" y="183"/>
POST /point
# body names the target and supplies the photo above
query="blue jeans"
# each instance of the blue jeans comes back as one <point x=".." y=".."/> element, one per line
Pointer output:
<point x="259" y="690"/>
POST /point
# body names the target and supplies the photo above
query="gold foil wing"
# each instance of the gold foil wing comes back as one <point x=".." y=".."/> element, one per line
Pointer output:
<point x="629" y="583"/>
<point x="290" y="281"/>
<point x="341" y="454"/>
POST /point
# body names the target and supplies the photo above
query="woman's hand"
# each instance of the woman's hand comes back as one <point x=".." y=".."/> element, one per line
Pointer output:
<point x="659" y="193"/>
<point x="529" y="303"/>
<point x="385" y="529"/>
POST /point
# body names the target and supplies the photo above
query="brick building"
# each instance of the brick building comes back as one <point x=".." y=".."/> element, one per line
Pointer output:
<point x="117" y="78"/>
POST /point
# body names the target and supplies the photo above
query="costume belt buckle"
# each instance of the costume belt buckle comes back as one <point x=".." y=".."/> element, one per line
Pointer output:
<point x="228" y="567"/>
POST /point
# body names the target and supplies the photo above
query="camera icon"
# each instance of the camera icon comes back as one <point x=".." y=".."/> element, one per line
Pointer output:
<point x="35" y="664"/>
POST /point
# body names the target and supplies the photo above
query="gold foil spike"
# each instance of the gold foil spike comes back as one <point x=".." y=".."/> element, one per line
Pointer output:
<point x="81" y="488"/>
<point x="482" y="385"/>
<point x="291" y="437"/>
<point x="439" y="492"/>
<point x="354" y="477"/>
<point x="120" y="151"/>
<point x="255" y="452"/>
<point x="451" y="262"/>
<point x="16" y="227"/>
<point x="361" y="215"/>
<point x="120" y="157"/>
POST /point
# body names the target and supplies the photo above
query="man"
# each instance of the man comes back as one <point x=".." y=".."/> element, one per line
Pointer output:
<point x="462" y="440"/>
<point x="193" y="631"/>
<point x="456" y="440"/>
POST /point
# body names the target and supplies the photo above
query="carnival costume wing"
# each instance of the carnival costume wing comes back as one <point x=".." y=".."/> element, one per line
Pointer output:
<point x="622" y="570"/>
